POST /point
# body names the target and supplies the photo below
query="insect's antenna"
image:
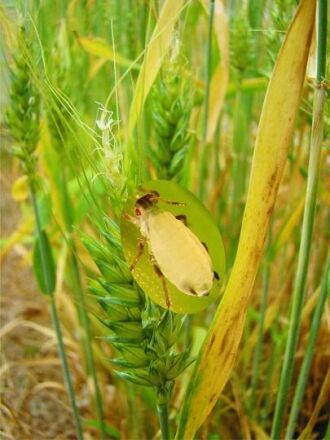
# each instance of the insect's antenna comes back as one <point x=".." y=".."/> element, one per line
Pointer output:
<point x="155" y="195"/>
<point x="148" y="191"/>
<point x="171" y="202"/>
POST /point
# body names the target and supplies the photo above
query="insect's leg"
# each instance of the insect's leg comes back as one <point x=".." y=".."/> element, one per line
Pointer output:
<point x="193" y="291"/>
<point x="162" y="279"/>
<point x="182" y="218"/>
<point x="216" y="275"/>
<point x="131" y="219"/>
<point x="141" y="244"/>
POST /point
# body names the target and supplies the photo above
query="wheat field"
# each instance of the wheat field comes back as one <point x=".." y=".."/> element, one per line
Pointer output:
<point x="165" y="219"/>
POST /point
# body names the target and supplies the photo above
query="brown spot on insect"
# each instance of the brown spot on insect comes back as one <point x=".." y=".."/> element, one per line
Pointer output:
<point x="205" y="246"/>
<point x="182" y="218"/>
<point x="192" y="291"/>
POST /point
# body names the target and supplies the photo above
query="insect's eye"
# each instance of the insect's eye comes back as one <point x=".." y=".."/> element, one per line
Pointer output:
<point x="138" y="211"/>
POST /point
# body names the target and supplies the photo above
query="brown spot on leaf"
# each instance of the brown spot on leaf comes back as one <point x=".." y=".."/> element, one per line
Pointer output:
<point x="213" y="397"/>
<point x="212" y="340"/>
<point x="210" y="344"/>
<point x="224" y="340"/>
<point x="270" y="210"/>
<point x="272" y="182"/>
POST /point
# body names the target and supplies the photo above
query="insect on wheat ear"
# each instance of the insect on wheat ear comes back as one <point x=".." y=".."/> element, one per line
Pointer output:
<point x="176" y="253"/>
<point x="180" y="268"/>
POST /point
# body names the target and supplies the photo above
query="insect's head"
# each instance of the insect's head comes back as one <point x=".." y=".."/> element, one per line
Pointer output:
<point x="150" y="200"/>
<point x="146" y="202"/>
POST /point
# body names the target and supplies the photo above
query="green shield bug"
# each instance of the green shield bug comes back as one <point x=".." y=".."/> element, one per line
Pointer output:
<point x="173" y="247"/>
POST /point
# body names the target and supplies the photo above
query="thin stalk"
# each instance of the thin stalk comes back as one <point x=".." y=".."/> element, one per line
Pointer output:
<point x="162" y="409"/>
<point x="307" y="228"/>
<point x="140" y="131"/>
<point x="143" y="20"/>
<point x="82" y="309"/>
<point x="88" y="344"/>
<point x="233" y="8"/>
<point x="203" y="162"/>
<point x="133" y="420"/>
<point x="246" y="352"/>
<point x="57" y="327"/>
<point x="63" y="5"/>
<point x="267" y="383"/>
<point x="308" y="357"/>
<point x="322" y="254"/>
<point x="255" y="13"/>
<point x="321" y="39"/>
<point x="259" y="346"/>
<point x="240" y="128"/>
<point x="208" y="70"/>
<point x="66" y="370"/>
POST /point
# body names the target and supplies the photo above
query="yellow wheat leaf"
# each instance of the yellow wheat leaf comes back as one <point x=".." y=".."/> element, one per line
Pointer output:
<point x="289" y="226"/>
<point x="276" y="126"/>
<point x="95" y="67"/>
<point x="260" y="434"/>
<point x="17" y="236"/>
<point x="322" y="398"/>
<point x="100" y="48"/>
<point x="72" y="9"/>
<point x="219" y="81"/>
<point x="218" y="89"/>
<point x="20" y="189"/>
<point x="158" y="45"/>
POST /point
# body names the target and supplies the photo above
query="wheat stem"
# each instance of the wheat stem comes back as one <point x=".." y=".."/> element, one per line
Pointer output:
<point x="56" y="324"/>
<point x="162" y="409"/>
<point x="203" y="159"/>
<point x="322" y="39"/>
<point x="260" y="338"/>
<point x="81" y="307"/>
<point x="208" y="70"/>
<point x="305" y="244"/>
<point x="309" y="352"/>
<point x="66" y="370"/>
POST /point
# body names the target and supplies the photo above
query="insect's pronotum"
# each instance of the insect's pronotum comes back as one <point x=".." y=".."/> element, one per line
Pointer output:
<point x="175" y="251"/>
